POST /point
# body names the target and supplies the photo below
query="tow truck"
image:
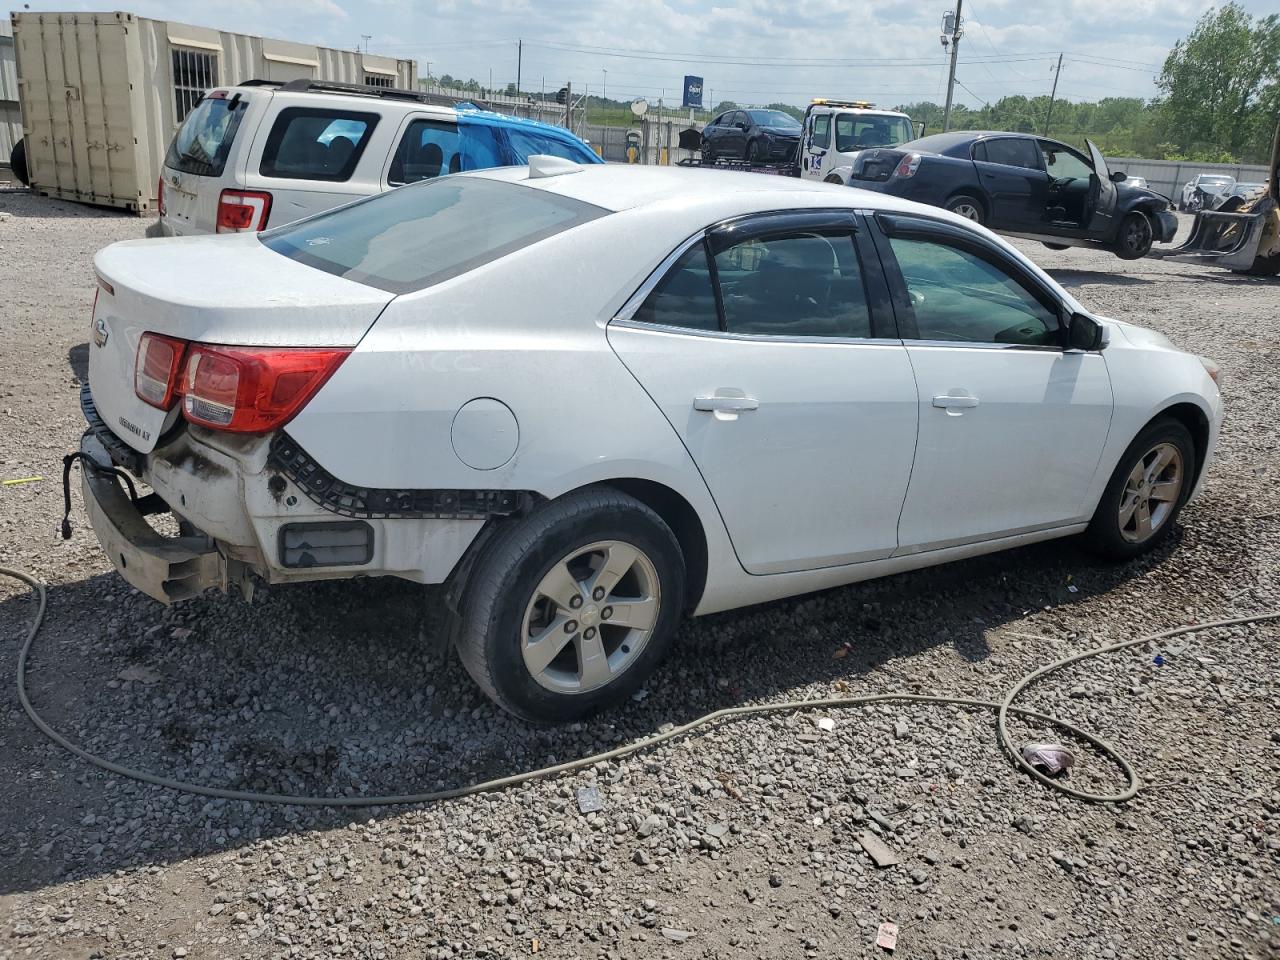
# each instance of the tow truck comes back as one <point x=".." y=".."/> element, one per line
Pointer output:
<point x="833" y="133"/>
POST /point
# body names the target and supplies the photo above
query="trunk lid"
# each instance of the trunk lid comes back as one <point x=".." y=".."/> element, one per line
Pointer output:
<point x="876" y="164"/>
<point x="227" y="290"/>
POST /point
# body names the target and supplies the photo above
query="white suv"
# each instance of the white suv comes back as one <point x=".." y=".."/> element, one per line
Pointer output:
<point x="265" y="154"/>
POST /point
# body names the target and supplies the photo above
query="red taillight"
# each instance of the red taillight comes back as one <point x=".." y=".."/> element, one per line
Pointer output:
<point x="253" y="389"/>
<point x="908" y="165"/>
<point x="155" y="372"/>
<point x="160" y="196"/>
<point x="243" y="210"/>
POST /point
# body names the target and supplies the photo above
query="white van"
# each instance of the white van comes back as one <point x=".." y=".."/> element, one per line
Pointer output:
<point x="835" y="130"/>
<point x="265" y="154"/>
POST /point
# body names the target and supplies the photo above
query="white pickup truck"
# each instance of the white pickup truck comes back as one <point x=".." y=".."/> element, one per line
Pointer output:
<point x="835" y="130"/>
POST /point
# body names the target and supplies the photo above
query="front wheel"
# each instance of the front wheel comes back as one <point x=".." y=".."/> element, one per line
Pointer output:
<point x="968" y="207"/>
<point x="1056" y="246"/>
<point x="570" y="609"/>
<point x="1136" y="236"/>
<point x="755" y="153"/>
<point x="1146" y="493"/>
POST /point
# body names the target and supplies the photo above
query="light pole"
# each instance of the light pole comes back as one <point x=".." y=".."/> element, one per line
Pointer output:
<point x="604" y="84"/>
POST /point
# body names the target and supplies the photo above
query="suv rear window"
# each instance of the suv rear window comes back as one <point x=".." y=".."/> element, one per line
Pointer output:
<point x="309" y="143"/>
<point x="203" y="142"/>
<point x="428" y="232"/>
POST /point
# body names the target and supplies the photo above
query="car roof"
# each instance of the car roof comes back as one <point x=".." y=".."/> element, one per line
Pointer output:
<point x="617" y="187"/>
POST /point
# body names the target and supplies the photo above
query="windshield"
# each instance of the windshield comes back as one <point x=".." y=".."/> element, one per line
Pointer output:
<point x="773" y="118"/>
<point x="428" y="232"/>
<point x="203" y="142"/>
<point x="858" y="131"/>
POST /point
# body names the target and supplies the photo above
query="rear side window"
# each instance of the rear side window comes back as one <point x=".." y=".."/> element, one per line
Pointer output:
<point x="203" y="142"/>
<point x="685" y="296"/>
<point x="308" y="143"/>
<point x="424" y="234"/>
<point x="1008" y="151"/>
<point x="428" y="149"/>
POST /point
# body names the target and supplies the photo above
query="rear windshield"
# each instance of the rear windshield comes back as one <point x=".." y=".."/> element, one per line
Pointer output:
<point x="203" y="142"/>
<point x="428" y="232"/>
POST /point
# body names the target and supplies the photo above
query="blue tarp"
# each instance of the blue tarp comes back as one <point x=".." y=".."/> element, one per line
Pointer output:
<point x="496" y="140"/>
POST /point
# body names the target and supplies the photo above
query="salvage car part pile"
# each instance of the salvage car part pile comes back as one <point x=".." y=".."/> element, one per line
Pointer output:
<point x="1003" y="709"/>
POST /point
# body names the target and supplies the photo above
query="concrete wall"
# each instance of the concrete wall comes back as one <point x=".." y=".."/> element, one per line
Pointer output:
<point x="1169" y="176"/>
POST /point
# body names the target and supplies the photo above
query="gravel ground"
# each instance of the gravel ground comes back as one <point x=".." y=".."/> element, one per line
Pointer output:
<point x="735" y="842"/>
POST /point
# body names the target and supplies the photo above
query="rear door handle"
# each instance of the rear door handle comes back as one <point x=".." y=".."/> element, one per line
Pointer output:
<point x="725" y="404"/>
<point x="725" y="407"/>
<point x="950" y="403"/>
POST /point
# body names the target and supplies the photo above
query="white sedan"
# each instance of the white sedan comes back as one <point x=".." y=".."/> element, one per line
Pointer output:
<point x="594" y="399"/>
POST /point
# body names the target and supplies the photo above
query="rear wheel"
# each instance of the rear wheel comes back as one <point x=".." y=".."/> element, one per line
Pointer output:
<point x="968" y="207"/>
<point x="1145" y="494"/>
<point x="569" y="609"/>
<point x="1135" y="237"/>
<point x="18" y="162"/>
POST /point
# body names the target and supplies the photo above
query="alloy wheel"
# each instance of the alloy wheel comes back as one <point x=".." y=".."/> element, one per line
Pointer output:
<point x="968" y="211"/>
<point x="1151" y="493"/>
<point x="590" y="617"/>
<point x="1137" y="233"/>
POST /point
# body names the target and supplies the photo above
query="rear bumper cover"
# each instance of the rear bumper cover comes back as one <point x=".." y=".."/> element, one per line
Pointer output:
<point x="164" y="568"/>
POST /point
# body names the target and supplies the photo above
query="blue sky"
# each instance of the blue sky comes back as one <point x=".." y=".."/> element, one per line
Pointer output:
<point x="885" y="51"/>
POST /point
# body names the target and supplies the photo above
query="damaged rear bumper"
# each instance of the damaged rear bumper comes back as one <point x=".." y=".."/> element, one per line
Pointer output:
<point x="167" y="569"/>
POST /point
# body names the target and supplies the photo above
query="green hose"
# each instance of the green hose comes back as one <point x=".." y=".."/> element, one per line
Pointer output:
<point x="1003" y="709"/>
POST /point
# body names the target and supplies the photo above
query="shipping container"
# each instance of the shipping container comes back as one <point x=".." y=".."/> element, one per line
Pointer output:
<point x="103" y="93"/>
<point x="10" y="117"/>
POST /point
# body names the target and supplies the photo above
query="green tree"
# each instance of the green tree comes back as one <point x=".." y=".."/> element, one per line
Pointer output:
<point x="1219" y="86"/>
<point x="724" y="105"/>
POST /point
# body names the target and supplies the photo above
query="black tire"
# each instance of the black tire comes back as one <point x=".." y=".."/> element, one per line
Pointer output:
<point x="1135" y="236"/>
<point x="1056" y="246"/>
<point x="18" y="162"/>
<point x="753" y="152"/>
<point x="1106" y="536"/>
<point x="834" y="179"/>
<point x="504" y="581"/>
<point x="967" y="206"/>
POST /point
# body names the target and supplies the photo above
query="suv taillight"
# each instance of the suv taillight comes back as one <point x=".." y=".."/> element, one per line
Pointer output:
<point x="253" y="389"/>
<point x="243" y="210"/>
<point x="908" y="165"/>
<point x="155" y="372"/>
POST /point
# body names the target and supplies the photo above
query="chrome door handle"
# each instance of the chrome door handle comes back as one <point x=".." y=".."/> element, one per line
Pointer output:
<point x="950" y="403"/>
<point x="718" y="404"/>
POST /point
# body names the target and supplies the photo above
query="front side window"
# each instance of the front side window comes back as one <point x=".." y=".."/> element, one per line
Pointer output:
<point x="426" y="233"/>
<point x="308" y="143"/>
<point x="959" y="296"/>
<point x="822" y="130"/>
<point x="1010" y="152"/>
<point x="428" y="149"/>
<point x="1064" y="164"/>
<point x="194" y="72"/>
<point x="800" y="284"/>
<point x="203" y="142"/>
<point x="684" y="297"/>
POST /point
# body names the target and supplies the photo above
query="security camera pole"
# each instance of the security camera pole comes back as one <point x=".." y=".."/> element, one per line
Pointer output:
<point x="952" y="28"/>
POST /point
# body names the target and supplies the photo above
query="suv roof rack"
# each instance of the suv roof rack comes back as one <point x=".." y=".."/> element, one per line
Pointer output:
<point x="360" y="90"/>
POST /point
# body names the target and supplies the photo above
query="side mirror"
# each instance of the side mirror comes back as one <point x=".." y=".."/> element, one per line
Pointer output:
<point x="1118" y="177"/>
<point x="1085" y="333"/>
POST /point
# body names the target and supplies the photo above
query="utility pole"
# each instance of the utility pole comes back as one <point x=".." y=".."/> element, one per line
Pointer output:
<point x="951" y="31"/>
<point x="604" y="84"/>
<point x="519" y="62"/>
<point x="1049" y="114"/>
<point x="366" y="37"/>
<point x="568" y="104"/>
